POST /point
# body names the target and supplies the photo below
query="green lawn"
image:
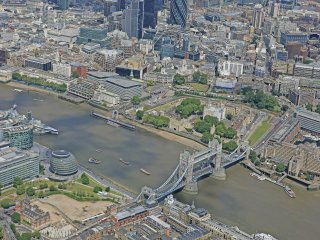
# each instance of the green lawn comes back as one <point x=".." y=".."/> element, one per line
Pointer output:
<point x="198" y="87"/>
<point x="259" y="132"/>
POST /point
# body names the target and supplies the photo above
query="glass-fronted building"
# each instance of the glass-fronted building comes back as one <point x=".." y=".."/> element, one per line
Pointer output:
<point x="63" y="163"/>
<point x="23" y="164"/>
<point x="20" y="137"/>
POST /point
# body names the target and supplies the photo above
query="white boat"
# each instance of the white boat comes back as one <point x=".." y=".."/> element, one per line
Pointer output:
<point x="18" y="90"/>
<point x="289" y="191"/>
<point x="144" y="171"/>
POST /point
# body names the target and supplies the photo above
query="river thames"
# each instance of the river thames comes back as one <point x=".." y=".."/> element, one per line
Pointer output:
<point x="241" y="200"/>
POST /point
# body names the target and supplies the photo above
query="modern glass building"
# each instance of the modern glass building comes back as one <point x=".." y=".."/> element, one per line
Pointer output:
<point x="39" y="63"/>
<point x="94" y="35"/>
<point x="63" y="163"/>
<point x="150" y="14"/>
<point x="179" y="12"/>
<point x="132" y="22"/>
<point x="20" y="137"/>
<point x="23" y="164"/>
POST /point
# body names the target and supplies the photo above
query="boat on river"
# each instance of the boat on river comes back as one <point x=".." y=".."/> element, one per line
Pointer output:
<point x="17" y="90"/>
<point x="289" y="191"/>
<point x="99" y="150"/>
<point x="124" y="162"/>
<point x="93" y="160"/>
<point x="144" y="171"/>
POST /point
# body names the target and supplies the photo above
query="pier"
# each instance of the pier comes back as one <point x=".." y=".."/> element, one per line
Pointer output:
<point x="114" y="121"/>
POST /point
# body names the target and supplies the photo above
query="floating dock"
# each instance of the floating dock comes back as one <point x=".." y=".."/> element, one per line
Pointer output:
<point x="114" y="121"/>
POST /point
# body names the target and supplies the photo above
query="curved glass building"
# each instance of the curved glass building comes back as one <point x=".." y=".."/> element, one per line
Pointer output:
<point x="20" y="137"/>
<point x="63" y="163"/>
<point x="179" y="12"/>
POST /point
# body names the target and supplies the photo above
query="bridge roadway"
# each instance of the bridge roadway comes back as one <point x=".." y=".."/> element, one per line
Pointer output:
<point x="176" y="182"/>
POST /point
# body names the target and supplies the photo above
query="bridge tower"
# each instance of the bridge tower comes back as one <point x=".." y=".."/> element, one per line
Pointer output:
<point x="219" y="172"/>
<point x="186" y="165"/>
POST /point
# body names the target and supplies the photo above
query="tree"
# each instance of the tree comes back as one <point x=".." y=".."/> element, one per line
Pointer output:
<point x="230" y="133"/>
<point x="43" y="186"/>
<point x="309" y="106"/>
<point x="41" y="194"/>
<point x="253" y="156"/>
<point x="107" y="189"/>
<point x="75" y="75"/>
<point x="210" y="119"/>
<point x="229" y="116"/>
<point x="178" y="79"/>
<point x="206" y="137"/>
<point x="189" y="107"/>
<point x="139" y="114"/>
<point x="284" y="108"/>
<point x="229" y="146"/>
<point x="20" y="190"/>
<point x="220" y="129"/>
<point x="318" y="108"/>
<point x="135" y="100"/>
<point x="97" y="189"/>
<point x="280" y="167"/>
<point x="52" y="188"/>
<point x="41" y="169"/>
<point x="202" y="126"/>
<point x="13" y="227"/>
<point x="17" y="181"/>
<point x="30" y="191"/>
<point x="6" y="203"/>
<point x="200" y="77"/>
<point x="1" y="233"/>
<point x="26" y="236"/>
<point x="36" y="234"/>
<point x="15" y="217"/>
<point x="84" y="179"/>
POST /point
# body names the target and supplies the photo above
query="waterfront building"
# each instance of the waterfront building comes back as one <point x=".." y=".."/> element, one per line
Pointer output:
<point x="130" y="215"/>
<point x="179" y="12"/>
<point x="310" y="121"/>
<point x="20" y="137"/>
<point x="109" y="59"/>
<point x="38" y="63"/>
<point x="82" y="88"/>
<point x="13" y="163"/>
<point x="103" y="96"/>
<point x="32" y="214"/>
<point x="63" y="163"/>
<point x="124" y="87"/>
<point x="5" y="76"/>
<point x="258" y="16"/>
<point x="61" y="69"/>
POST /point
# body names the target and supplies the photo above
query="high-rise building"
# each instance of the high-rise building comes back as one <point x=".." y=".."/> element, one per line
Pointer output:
<point x="121" y="5"/>
<point x="179" y="12"/>
<point x="110" y="6"/>
<point x="20" y="137"/>
<point x="275" y="9"/>
<point x="63" y="4"/>
<point x="133" y="19"/>
<point x="258" y="16"/>
<point x="150" y="14"/>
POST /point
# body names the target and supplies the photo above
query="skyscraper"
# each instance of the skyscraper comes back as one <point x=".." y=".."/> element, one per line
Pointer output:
<point x="121" y="5"/>
<point x="258" y="16"/>
<point x="133" y="17"/>
<point x="150" y="14"/>
<point x="110" y="6"/>
<point x="179" y="12"/>
<point x="63" y="4"/>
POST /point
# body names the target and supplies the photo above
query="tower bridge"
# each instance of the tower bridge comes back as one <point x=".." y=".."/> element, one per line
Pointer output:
<point x="194" y="167"/>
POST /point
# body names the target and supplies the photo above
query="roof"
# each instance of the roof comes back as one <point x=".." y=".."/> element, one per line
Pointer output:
<point x="39" y="60"/>
<point x="123" y="82"/>
<point x="130" y="212"/>
<point x="98" y="74"/>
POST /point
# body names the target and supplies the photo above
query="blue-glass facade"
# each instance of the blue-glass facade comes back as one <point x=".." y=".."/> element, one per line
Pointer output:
<point x="293" y="37"/>
<point x="179" y="12"/>
<point x="150" y="14"/>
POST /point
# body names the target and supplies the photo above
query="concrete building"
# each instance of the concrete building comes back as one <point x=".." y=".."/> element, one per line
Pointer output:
<point x="61" y="69"/>
<point x="287" y="37"/>
<point x="109" y="59"/>
<point x="309" y="121"/>
<point x="38" y="63"/>
<point x="130" y="215"/>
<point x="32" y="214"/>
<point x="82" y="88"/>
<point x="258" y="16"/>
<point x="215" y="111"/>
<point x="227" y="68"/>
<point x="13" y="163"/>
<point x="103" y="96"/>
<point x="125" y="88"/>
<point x="301" y="97"/>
